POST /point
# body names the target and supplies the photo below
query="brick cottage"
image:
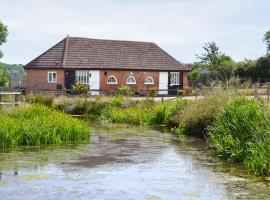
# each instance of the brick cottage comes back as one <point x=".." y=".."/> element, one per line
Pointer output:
<point x="105" y="65"/>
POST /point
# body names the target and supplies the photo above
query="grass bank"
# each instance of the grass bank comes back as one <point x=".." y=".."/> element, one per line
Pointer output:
<point x="39" y="125"/>
<point x="236" y="128"/>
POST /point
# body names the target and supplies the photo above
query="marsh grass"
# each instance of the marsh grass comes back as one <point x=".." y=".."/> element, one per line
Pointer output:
<point x="38" y="125"/>
<point x="241" y="133"/>
<point x="41" y="99"/>
<point x="196" y="115"/>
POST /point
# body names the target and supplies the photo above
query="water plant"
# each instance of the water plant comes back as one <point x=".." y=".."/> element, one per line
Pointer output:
<point x="40" y="125"/>
<point x="240" y="132"/>
<point x="196" y="115"/>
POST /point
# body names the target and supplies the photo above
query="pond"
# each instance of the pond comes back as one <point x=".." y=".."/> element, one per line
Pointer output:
<point x="126" y="163"/>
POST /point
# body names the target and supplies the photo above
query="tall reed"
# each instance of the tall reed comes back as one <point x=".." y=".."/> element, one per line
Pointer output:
<point x="39" y="125"/>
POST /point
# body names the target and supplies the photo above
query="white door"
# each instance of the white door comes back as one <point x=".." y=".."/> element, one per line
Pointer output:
<point x="94" y="81"/>
<point x="163" y="82"/>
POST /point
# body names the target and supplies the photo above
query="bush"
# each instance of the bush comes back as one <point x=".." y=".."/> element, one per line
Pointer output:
<point x="241" y="133"/>
<point x="46" y="100"/>
<point x="80" y="88"/>
<point x="77" y="107"/>
<point x="124" y="90"/>
<point x="146" y="112"/>
<point x="39" y="125"/>
<point x="196" y="115"/>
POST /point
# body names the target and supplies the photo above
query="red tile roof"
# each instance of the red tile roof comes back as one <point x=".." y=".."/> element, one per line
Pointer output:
<point x="76" y="52"/>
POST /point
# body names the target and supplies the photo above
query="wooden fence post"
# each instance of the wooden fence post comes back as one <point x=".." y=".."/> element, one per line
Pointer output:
<point x="17" y="99"/>
<point x="268" y="91"/>
<point x="256" y="92"/>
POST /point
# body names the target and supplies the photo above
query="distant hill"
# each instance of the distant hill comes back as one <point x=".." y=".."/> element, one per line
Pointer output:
<point x="16" y="69"/>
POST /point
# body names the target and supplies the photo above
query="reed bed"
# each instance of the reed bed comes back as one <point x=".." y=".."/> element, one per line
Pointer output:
<point x="39" y="125"/>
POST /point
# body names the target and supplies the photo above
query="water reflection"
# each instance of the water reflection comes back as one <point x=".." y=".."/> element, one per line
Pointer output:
<point x="126" y="163"/>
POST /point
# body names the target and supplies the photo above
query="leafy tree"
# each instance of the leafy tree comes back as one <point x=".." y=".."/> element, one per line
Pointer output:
<point x="3" y="77"/>
<point x="214" y="65"/>
<point x="3" y="39"/>
<point x="194" y="75"/>
<point x="210" y="56"/>
<point x="3" y="35"/>
<point x="266" y="39"/>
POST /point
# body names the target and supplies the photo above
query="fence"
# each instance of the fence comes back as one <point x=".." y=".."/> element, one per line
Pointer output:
<point x="9" y="98"/>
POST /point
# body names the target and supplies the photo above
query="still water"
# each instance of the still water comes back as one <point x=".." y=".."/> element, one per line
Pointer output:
<point x="126" y="163"/>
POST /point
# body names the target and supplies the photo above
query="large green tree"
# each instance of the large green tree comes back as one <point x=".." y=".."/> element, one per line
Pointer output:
<point x="213" y="64"/>
<point x="210" y="56"/>
<point x="266" y="39"/>
<point x="3" y="39"/>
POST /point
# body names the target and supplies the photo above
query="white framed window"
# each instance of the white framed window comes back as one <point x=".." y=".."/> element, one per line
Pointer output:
<point x="174" y="78"/>
<point x="149" y="80"/>
<point x="131" y="80"/>
<point x="112" y="80"/>
<point x="82" y="76"/>
<point x="52" y="77"/>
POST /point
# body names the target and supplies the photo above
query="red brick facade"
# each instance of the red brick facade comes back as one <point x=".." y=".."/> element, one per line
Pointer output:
<point x="37" y="79"/>
<point x="122" y="76"/>
<point x="185" y="80"/>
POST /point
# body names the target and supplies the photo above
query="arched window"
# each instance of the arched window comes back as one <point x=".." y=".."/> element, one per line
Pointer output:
<point x="149" y="80"/>
<point x="112" y="80"/>
<point x="131" y="80"/>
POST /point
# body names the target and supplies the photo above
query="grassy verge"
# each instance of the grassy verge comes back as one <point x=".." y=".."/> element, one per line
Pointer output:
<point x="39" y="125"/>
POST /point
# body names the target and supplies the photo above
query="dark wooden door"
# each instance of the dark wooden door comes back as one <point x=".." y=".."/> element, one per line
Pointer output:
<point x="69" y="78"/>
<point x="175" y="82"/>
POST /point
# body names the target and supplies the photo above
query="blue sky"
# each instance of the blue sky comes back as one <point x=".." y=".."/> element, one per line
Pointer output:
<point x="181" y="27"/>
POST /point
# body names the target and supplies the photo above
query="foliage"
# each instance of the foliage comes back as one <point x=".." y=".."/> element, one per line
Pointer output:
<point x="266" y="39"/>
<point x="194" y="75"/>
<point x="46" y="100"/>
<point x="124" y="90"/>
<point x="74" y="107"/>
<point x="3" y="35"/>
<point x="196" y="115"/>
<point x="213" y="65"/>
<point x="16" y="69"/>
<point x="3" y="77"/>
<point x="80" y="88"/>
<point x="39" y="125"/>
<point x="241" y="132"/>
<point x="143" y="112"/>
<point x="211" y="55"/>
<point x="152" y="91"/>
<point x="256" y="70"/>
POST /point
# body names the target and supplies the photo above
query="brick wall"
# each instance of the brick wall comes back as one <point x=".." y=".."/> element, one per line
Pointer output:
<point x="185" y="80"/>
<point x="122" y="76"/>
<point x="37" y="79"/>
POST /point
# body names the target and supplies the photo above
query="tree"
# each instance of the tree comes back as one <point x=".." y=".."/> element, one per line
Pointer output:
<point x="3" y="39"/>
<point x="266" y="39"/>
<point x="211" y="55"/>
<point x="214" y="65"/>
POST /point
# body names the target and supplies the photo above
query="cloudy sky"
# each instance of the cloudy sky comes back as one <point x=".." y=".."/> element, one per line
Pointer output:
<point x="180" y="27"/>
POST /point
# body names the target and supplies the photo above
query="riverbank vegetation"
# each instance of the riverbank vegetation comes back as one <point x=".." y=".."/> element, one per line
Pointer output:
<point x="235" y="127"/>
<point x="37" y="125"/>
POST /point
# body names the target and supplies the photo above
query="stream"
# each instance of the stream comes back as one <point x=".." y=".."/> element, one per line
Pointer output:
<point x="126" y="162"/>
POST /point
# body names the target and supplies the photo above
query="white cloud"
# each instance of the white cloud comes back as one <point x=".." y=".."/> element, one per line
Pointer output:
<point x="180" y="27"/>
